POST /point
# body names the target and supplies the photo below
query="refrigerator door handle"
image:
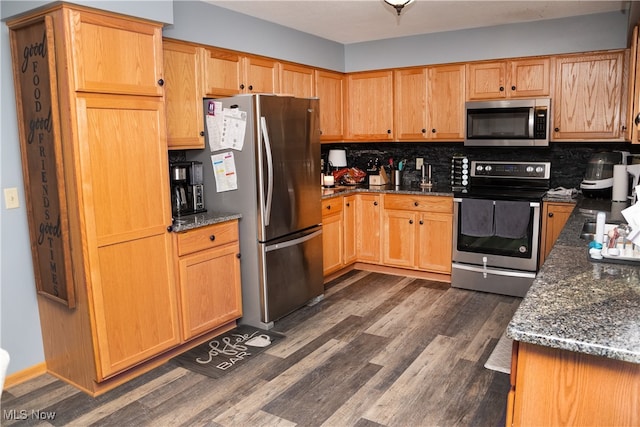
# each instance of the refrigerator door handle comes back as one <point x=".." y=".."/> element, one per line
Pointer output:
<point x="293" y="242"/>
<point x="267" y="143"/>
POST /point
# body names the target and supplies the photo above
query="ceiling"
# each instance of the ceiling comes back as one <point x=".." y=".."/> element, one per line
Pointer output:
<point x="353" y="21"/>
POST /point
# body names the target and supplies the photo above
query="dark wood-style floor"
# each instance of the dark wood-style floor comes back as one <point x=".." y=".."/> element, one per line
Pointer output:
<point x="379" y="350"/>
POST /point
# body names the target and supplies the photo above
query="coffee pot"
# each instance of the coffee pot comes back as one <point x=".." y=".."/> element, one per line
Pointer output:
<point x="187" y="188"/>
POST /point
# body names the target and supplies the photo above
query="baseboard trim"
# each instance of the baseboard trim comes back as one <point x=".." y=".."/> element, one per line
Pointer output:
<point x="25" y="375"/>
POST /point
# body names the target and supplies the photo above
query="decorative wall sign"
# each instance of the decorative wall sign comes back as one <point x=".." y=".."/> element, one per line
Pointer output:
<point x="34" y="70"/>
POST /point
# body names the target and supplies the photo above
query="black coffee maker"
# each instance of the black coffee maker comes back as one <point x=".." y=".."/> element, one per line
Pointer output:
<point x="187" y="188"/>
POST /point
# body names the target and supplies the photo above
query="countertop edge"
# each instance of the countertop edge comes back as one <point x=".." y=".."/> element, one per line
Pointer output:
<point x="191" y="222"/>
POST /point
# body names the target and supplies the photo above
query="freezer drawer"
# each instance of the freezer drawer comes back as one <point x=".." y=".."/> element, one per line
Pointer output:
<point x="291" y="273"/>
<point x="495" y="280"/>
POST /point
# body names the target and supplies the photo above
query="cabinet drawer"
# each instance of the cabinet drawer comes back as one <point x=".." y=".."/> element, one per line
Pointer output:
<point x="419" y="203"/>
<point x="331" y="206"/>
<point x="207" y="237"/>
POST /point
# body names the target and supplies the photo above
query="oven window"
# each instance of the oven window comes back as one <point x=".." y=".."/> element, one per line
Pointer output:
<point x="511" y="123"/>
<point x="494" y="245"/>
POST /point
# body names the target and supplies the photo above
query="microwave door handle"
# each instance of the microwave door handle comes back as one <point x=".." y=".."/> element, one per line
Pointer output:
<point x="532" y="115"/>
<point x="267" y="144"/>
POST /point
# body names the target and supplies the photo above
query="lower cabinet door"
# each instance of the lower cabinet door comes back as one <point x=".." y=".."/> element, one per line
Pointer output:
<point x="399" y="247"/>
<point x="332" y="243"/>
<point x="210" y="289"/>
<point x="435" y="231"/>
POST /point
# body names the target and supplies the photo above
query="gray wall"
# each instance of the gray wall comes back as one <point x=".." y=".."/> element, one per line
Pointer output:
<point x="199" y="22"/>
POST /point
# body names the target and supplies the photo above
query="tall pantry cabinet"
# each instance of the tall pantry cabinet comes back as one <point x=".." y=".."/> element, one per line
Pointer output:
<point x="106" y="96"/>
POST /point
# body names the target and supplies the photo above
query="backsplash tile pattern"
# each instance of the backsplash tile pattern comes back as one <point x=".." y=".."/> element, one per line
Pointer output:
<point x="568" y="159"/>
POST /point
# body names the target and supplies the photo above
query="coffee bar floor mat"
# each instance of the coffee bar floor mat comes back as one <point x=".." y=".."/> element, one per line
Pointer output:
<point x="226" y="352"/>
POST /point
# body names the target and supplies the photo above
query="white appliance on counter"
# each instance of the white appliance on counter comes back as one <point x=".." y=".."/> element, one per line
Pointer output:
<point x="276" y="190"/>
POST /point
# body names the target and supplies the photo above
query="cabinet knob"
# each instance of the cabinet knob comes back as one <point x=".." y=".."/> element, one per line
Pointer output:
<point x="201" y="133"/>
<point x="250" y="87"/>
<point x="161" y="82"/>
<point x="241" y="86"/>
<point x="170" y="228"/>
<point x="375" y="203"/>
<point x="433" y="131"/>
<point x="389" y="131"/>
<point x="424" y="130"/>
<point x="329" y="207"/>
<point x="238" y="255"/>
<point x="212" y="237"/>
<point x="556" y="129"/>
<point x="637" y="120"/>
<point x="501" y="88"/>
<point x="410" y="221"/>
<point x="421" y="222"/>
<point x="348" y="204"/>
<point x="513" y="88"/>
<point x="550" y="214"/>
<point x="415" y="203"/>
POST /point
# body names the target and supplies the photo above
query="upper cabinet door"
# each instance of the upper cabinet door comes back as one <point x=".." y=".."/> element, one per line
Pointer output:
<point x="589" y="96"/>
<point x="113" y="55"/>
<point x="445" y="102"/>
<point x="370" y="106"/>
<point x="222" y="72"/>
<point x="410" y="104"/>
<point x="261" y="75"/>
<point x="330" y="91"/>
<point x="296" y="80"/>
<point x="529" y="78"/>
<point x="486" y="80"/>
<point x="183" y="95"/>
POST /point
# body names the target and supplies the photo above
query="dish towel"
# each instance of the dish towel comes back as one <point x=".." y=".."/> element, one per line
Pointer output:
<point x="512" y="219"/>
<point x="476" y="217"/>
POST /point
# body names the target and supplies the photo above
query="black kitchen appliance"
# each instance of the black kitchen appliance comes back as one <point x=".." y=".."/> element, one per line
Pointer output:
<point x="187" y="188"/>
<point x="496" y="232"/>
<point x="598" y="179"/>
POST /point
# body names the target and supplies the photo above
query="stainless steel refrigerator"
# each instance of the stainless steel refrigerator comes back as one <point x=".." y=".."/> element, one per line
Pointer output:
<point x="279" y="196"/>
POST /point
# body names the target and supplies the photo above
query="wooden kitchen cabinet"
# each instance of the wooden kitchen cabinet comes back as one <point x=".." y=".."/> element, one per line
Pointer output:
<point x="445" y="102"/>
<point x="411" y="116"/>
<point x="208" y="265"/>
<point x="589" y="100"/>
<point x="417" y="232"/>
<point x="330" y="89"/>
<point x="261" y="75"/>
<point x="632" y="126"/>
<point x="117" y="206"/>
<point x="551" y="386"/>
<point x="332" y="238"/>
<point x="368" y="225"/>
<point x="554" y="217"/>
<point x="349" y="220"/>
<point x="369" y="106"/>
<point x="513" y="78"/>
<point x="297" y="80"/>
<point x="183" y="94"/>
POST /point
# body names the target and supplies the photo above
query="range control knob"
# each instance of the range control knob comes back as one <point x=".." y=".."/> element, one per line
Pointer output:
<point x="488" y="168"/>
<point x="529" y="169"/>
<point x="540" y="169"/>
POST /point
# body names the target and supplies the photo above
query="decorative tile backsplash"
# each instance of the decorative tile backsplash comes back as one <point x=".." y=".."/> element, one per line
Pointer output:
<point x="568" y="159"/>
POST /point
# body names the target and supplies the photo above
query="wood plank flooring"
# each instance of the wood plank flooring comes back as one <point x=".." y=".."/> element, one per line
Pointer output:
<point x="379" y="350"/>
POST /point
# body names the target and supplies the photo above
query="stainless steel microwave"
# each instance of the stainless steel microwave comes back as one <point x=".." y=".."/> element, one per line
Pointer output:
<point x="513" y="123"/>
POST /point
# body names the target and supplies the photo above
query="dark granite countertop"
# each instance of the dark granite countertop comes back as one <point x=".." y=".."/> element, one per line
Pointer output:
<point x="436" y="190"/>
<point x="583" y="306"/>
<point x="189" y="222"/>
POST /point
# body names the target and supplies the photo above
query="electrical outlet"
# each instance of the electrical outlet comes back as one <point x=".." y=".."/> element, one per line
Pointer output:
<point x="11" y="198"/>
<point x="419" y="163"/>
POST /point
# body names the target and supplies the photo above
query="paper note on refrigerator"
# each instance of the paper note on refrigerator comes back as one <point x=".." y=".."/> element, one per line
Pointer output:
<point x="224" y="170"/>
<point x="214" y="123"/>
<point x="234" y="124"/>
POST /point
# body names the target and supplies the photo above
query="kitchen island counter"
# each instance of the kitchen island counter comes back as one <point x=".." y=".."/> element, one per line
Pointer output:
<point x="436" y="190"/>
<point x="578" y="305"/>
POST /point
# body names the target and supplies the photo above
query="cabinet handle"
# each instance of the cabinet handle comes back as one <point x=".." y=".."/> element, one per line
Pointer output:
<point x="513" y="88"/>
<point x="424" y="130"/>
<point x="415" y="203"/>
<point x="375" y="203"/>
<point x="556" y="129"/>
<point x="433" y="131"/>
<point x="241" y="86"/>
<point x="421" y="222"/>
<point x="410" y="221"/>
<point x="389" y="131"/>
<point x="637" y="120"/>
<point x="329" y="207"/>
<point x="212" y="237"/>
<point x="624" y="128"/>
<point x="501" y="88"/>
<point x="250" y="87"/>
<point x="170" y="228"/>
<point x="238" y="255"/>
<point x="161" y="82"/>
<point x="201" y="133"/>
<point x="550" y="214"/>
<point x="348" y="204"/>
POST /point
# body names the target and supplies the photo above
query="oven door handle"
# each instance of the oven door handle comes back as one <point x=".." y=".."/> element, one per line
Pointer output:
<point x="495" y="272"/>
<point x="532" y="204"/>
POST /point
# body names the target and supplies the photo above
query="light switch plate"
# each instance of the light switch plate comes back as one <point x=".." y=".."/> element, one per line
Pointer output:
<point x="11" y="198"/>
<point x="419" y="163"/>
